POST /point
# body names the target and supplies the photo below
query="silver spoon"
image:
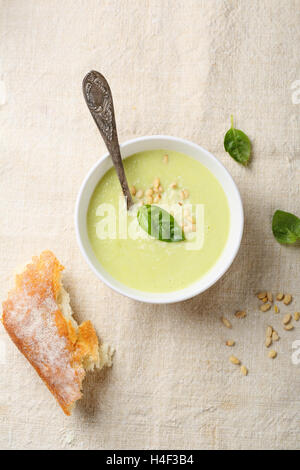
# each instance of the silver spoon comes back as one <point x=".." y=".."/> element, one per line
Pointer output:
<point x="99" y="100"/>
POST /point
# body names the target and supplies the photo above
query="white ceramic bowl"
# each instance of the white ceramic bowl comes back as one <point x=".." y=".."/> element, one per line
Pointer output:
<point x="198" y="153"/>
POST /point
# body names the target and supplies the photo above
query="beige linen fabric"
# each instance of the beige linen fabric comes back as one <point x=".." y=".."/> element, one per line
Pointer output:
<point x="177" y="67"/>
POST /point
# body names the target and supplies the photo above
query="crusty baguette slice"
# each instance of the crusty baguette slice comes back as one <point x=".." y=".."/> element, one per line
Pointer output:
<point x="38" y="318"/>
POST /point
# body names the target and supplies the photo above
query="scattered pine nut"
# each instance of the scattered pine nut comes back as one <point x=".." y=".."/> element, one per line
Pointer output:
<point x="230" y="343"/>
<point x="184" y="194"/>
<point x="173" y="185"/>
<point x="269" y="332"/>
<point x="279" y="296"/>
<point x="276" y="309"/>
<point x="287" y="318"/>
<point x="265" y="299"/>
<point x="166" y="159"/>
<point x="133" y="190"/>
<point x="272" y="354"/>
<point x="157" y="199"/>
<point x="261" y="295"/>
<point x="297" y="316"/>
<point x="240" y="314"/>
<point x="180" y="203"/>
<point x="160" y="189"/>
<point x="289" y="327"/>
<point x="275" y="336"/>
<point x="140" y="193"/>
<point x="149" y="192"/>
<point x="234" y="360"/>
<point x="244" y="370"/>
<point x="268" y="342"/>
<point x="150" y="200"/>
<point x="226" y="322"/>
<point x="270" y="297"/>
<point x="156" y="182"/>
<point x="287" y="299"/>
<point x="265" y="307"/>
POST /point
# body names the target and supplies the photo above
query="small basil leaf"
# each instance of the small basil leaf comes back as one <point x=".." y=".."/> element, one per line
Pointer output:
<point x="286" y="227"/>
<point x="159" y="224"/>
<point x="237" y="144"/>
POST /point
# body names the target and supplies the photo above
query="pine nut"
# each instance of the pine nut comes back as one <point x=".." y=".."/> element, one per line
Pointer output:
<point x="133" y="190"/>
<point x="234" y="360"/>
<point x="275" y="336"/>
<point x="261" y="295"/>
<point x="269" y="332"/>
<point x="287" y="318"/>
<point x="287" y="299"/>
<point x="156" y="182"/>
<point x="268" y="342"/>
<point x="226" y="322"/>
<point x="240" y="314"/>
<point x="272" y="354"/>
<point x="149" y="192"/>
<point x="265" y="307"/>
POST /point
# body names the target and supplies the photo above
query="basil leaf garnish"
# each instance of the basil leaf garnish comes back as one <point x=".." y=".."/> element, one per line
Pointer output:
<point x="237" y="144"/>
<point x="286" y="227"/>
<point x="159" y="224"/>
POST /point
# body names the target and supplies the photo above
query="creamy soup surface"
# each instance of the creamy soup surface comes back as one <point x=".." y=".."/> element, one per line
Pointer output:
<point x="145" y="263"/>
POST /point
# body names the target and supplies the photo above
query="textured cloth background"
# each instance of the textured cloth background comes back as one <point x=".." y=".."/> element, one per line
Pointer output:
<point x="177" y="67"/>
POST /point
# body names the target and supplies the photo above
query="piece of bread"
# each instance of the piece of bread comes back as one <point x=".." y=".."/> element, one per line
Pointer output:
<point x="37" y="316"/>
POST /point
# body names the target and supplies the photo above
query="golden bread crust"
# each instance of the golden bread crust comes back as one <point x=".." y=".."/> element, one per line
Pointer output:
<point x="87" y="342"/>
<point x="53" y="344"/>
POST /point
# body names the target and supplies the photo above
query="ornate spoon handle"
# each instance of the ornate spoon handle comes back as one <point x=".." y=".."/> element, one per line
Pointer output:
<point x="99" y="100"/>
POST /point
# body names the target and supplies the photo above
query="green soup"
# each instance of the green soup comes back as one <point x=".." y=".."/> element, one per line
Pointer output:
<point x="140" y="261"/>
